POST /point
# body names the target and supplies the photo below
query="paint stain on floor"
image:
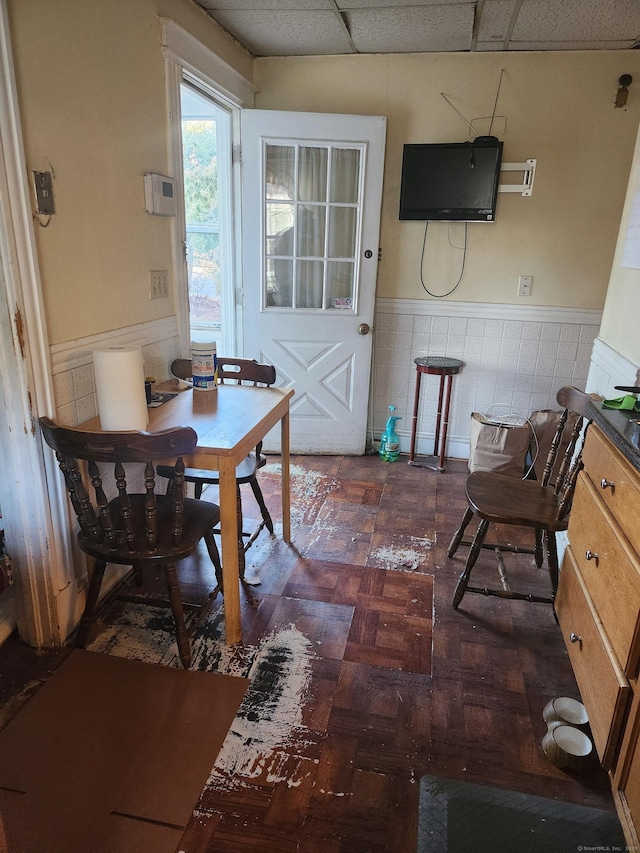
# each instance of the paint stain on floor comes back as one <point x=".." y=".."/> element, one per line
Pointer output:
<point x="270" y="717"/>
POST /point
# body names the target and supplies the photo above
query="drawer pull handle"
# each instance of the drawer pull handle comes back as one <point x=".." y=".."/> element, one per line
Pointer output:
<point x="590" y="555"/>
<point x="606" y="484"/>
<point x="575" y="638"/>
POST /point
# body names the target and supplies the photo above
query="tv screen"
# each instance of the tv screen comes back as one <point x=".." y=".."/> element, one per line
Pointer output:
<point x="451" y="181"/>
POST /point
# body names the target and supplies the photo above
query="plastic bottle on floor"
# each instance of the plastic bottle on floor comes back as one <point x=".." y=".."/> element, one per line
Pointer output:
<point x="390" y="442"/>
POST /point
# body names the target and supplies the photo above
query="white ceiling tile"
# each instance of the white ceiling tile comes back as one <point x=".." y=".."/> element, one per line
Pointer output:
<point x="286" y="33"/>
<point x="313" y="27"/>
<point x="412" y="29"/>
<point x="577" y="20"/>
<point x="267" y="5"/>
<point x="493" y="25"/>
<point x="566" y="45"/>
<point x="347" y="5"/>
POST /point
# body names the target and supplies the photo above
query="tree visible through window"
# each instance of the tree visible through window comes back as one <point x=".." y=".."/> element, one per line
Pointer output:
<point x="206" y="175"/>
<point x="203" y="232"/>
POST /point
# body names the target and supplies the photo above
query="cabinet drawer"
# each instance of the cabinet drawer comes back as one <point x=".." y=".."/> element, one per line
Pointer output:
<point x="603" y="686"/>
<point x="605" y="465"/>
<point x="610" y="570"/>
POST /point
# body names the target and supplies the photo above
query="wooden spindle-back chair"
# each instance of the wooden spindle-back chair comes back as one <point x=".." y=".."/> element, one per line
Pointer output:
<point x="540" y="506"/>
<point x="140" y="530"/>
<point x="235" y="371"/>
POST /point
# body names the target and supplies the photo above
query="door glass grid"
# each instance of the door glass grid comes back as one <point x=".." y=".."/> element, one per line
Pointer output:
<point x="312" y="226"/>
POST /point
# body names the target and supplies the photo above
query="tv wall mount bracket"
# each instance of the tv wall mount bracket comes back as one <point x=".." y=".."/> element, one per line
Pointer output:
<point x="528" y="169"/>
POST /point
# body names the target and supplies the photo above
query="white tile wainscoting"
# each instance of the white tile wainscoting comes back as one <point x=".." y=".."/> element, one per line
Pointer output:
<point x="608" y="369"/>
<point x="514" y="357"/>
<point x="72" y="365"/>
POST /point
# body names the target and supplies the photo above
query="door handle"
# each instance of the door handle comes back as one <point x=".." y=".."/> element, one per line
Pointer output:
<point x="364" y="329"/>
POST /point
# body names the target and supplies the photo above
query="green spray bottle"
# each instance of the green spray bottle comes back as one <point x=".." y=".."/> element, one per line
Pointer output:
<point x="389" y="441"/>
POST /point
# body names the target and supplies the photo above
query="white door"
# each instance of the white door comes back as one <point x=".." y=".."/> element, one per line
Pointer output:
<point x="311" y="194"/>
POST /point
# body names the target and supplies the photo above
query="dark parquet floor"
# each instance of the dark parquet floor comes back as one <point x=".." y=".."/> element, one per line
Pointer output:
<point x="402" y="684"/>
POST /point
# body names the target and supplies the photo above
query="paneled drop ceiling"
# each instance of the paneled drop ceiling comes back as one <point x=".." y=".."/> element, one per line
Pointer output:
<point x="324" y="27"/>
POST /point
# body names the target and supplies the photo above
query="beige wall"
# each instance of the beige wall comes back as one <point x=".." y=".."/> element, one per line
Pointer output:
<point x="91" y="86"/>
<point x="621" y="318"/>
<point x="558" y="108"/>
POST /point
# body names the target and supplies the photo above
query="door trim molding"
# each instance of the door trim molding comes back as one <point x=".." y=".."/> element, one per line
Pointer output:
<point x="181" y="48"/>
<point x="35" y="509"/>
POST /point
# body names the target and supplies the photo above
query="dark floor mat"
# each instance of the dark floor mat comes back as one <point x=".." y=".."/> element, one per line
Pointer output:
<point x="461" y="817"/>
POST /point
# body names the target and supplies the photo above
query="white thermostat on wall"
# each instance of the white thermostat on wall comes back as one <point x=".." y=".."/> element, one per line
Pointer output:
<point x="160" y="194"/>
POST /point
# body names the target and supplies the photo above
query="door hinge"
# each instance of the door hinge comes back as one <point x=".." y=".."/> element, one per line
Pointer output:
<point x="236" y="154"/>
<point x="380" y="254"/>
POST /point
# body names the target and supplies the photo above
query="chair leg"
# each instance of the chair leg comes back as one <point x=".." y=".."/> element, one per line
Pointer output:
<point x="212" y="548"/>
<point x="539" y="551"/>
<point x="241" y="558"/>
<point x="197" y="489"/>
<point x="474" y="550"/>
<point x="552" y="560"/>
<point x="257" y="493"/>
<point x="457" y="536"/>
<point x="182" y="637"/>
<point x="93" y="591"/>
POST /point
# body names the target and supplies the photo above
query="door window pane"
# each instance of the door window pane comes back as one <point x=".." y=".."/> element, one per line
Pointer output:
<point x="279" y="282"/>
<point x="309" y="284"/>
<point x="280" y="171"/>
<point x="312" y="174"/>
<point x="340" y="282"/>
<point x="345" y="175"/>
<point x="342" y="232"/>
<point x="279" y="230"/>
<point x="310" y="231"/>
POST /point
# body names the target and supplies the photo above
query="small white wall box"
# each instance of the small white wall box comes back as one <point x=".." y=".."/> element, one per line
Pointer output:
<point x="160" y="194"/>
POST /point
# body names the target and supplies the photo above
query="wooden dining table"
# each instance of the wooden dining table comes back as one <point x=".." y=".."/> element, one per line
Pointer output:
<point x="230" y="420"/>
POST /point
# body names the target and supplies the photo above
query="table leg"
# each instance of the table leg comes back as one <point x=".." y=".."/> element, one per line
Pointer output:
<point x="286" y="480"/>
<point x="445" y="424"/>
<point x="438" y="417"/>
<point x="230" y="556"/>
<point x="414" y="422"/>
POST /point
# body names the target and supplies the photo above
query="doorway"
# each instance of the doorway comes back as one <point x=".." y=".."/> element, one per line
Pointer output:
<point x="206" y="128"/>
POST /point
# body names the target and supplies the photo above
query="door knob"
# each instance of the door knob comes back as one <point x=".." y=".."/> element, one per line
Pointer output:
<point x="575" y="638"/>
<point x="364" y="329"/>
<point x="606" y="484"/>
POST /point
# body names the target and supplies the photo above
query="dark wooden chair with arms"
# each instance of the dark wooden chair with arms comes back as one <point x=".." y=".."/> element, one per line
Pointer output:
<point x="543" y="507"/>
<point x="138" y="530"/>
<point x="235" y="370"/>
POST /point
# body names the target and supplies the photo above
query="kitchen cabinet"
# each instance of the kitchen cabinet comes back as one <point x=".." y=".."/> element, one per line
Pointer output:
<point x="598" y="607"/>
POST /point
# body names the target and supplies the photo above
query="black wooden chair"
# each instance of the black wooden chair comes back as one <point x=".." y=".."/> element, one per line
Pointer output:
<point x="540" y="506"/>
<point x="234" y="370"/>
<point x="141" y="530"/>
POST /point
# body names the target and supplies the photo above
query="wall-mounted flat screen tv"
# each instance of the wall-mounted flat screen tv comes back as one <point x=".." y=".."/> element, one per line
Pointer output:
<point x="451" y="181"/>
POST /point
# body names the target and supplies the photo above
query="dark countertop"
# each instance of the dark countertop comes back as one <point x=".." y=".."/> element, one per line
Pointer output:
<point x="619" y="428"/>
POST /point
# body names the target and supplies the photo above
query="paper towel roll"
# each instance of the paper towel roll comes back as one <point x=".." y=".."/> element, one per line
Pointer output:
<point x="119" y="373"/>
